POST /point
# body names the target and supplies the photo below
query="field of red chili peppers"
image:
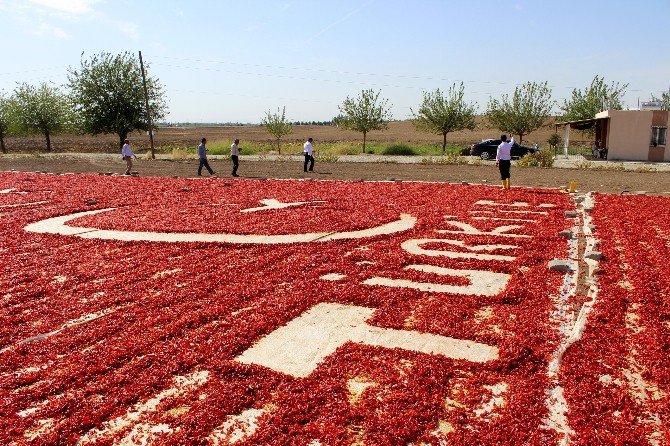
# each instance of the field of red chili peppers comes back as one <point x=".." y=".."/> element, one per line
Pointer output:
<point x="211" y="311"/>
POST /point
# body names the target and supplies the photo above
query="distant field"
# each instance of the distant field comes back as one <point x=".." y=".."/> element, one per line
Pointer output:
<point x="256" y="139"/>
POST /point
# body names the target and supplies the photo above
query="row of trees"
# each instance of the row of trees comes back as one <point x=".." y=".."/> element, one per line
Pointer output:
<point x="526" y="110"/>
<point x="104" y="95"/>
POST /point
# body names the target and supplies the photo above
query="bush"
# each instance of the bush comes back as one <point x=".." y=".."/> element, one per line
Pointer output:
<point x="180" y="154"/>
<point x="541" y="158"/>
<point x="399" y="149"/>
<point x="616" y="167"/>
<point x="326" y="158"/>
<point x="644" y="169"/>
<point x="449" y="159"/>
<point x="583" y="164"/>
<point x="554" y="140"/>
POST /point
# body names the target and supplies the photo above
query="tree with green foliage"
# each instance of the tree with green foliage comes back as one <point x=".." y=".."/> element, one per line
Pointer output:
<point x="42" y="109"/>
<point x="442" y="114"/>
<point x="109" y="95"/>
<point x="277" y="125"/>
<point x="524" y="112"/>
<point x="664" y="100"/>
<point x="554" y="140"/>
<point x="7" y="119"/>
<point x="585" y="104"/>
<point x="365" y="113"/>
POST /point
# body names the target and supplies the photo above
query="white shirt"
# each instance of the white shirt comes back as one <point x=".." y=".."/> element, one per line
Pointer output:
<point x="504" y="150"/>
<point x="126" y="150"/>
<point x="308" y="148"/>
<point x="234" y="150"/>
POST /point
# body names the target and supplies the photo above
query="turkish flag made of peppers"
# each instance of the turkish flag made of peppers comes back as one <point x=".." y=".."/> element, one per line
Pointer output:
<point x="183" y="311"/>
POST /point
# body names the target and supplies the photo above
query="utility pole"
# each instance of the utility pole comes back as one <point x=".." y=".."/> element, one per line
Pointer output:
<point x="146" y="101"/>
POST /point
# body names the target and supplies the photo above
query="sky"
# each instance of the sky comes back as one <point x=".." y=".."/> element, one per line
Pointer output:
<point x="232" y="61"/>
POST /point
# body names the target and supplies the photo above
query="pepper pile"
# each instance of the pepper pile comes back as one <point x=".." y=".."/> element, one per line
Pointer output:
<point x="617" y="378"/>
<point x="109" y="341"/>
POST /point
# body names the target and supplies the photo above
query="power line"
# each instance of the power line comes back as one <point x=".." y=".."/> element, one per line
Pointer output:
<point x="313" y="79"/>
<point x="322" y="70"/>
<point x="342" y="72"/>
<point x="8" y="73"/>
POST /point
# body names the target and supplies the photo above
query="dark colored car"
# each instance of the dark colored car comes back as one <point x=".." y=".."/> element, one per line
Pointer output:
<point x="488" y="147"/>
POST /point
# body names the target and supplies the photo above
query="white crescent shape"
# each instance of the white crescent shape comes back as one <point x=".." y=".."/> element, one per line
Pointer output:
<point x="58" y="225"/>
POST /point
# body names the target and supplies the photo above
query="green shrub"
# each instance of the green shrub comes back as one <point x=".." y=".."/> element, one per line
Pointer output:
<point x="399" y="149"/>
<point x="554" y="140"/>
<point x="541" y="158"/>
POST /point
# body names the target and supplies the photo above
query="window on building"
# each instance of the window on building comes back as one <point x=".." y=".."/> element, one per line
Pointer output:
<point x="658" y="136"/>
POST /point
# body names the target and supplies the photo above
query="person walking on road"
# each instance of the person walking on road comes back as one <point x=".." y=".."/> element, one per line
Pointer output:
<point x="308" y="151"/>
<point x="128" y="155"/>
<point x="235" y="156"/>
<point x="504" y="160"/>
<point x="202" y="154"/>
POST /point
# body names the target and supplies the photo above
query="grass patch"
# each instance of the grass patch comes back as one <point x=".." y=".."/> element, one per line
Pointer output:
<point x="583" y="164"/>
<point x="448" y="159"/>
<point x="326" y="158"/>
<point x="399" y="149"/>
<point x="326" y="149"/>
<point x="615" y="167"/>
<point x="644" y="169"/>
<point x="180" y="154"/>
<point x="541" y="158"/>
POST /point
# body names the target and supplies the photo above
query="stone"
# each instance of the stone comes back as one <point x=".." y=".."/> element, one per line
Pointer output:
<point x="592" y="267"/>
<point x="560" y="265"/>
<point x="91" y="202"/>
<point x="566" y="233"/>
<point x="571" y="214"/>
<point x="594" y="255"/>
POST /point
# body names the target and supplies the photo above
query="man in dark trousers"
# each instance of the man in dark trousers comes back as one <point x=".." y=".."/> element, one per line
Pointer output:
<point x="504" y="160"/>
<point x="235" y="156"/>
<point x="308" y="151"/>
<point x="202" y="154"/>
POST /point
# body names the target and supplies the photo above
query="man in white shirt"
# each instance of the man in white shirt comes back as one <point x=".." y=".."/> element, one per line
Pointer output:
<point x="504" y="160"/>
<point x="127" y="155"/>
<point x="235" y="156"/>
<point x="308" y="151"/>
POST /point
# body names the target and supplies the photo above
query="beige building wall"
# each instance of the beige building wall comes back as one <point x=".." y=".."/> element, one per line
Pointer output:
<point x="629" y="135"/>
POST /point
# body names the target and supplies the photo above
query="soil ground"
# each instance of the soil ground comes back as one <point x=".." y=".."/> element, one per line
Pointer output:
<point x="653" y="183"/>
<point x="168" y="137"/>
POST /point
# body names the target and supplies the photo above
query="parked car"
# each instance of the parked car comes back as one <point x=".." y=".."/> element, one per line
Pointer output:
<point x="487" y="148"/>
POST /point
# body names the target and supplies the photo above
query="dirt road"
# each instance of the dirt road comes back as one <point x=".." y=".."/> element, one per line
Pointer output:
<point x="656" y="183"/>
